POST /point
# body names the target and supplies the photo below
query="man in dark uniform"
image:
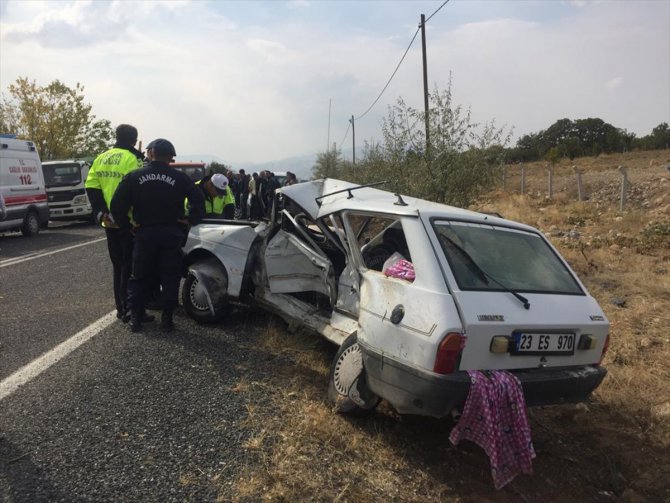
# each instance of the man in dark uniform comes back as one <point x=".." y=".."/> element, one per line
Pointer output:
<point x="156" y="195"/>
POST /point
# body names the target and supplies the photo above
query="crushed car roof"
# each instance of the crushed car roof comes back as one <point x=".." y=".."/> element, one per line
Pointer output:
<point x="322" y="197"/>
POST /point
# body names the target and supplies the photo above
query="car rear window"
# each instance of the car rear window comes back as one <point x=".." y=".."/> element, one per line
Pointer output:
<point x="485" y="257"/>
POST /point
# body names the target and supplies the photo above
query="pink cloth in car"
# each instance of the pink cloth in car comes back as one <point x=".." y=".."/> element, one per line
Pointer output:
<point x="494" y="417"/>
<point x="402" y="269"/>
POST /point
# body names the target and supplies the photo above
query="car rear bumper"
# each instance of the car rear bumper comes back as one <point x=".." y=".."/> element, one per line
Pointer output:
<point x="413" y="391"/>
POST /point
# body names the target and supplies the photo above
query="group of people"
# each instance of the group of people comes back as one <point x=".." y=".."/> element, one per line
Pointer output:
<point x="146" y="208"/>
<point x="254" y="193"/>
<point x="241" y="196"/>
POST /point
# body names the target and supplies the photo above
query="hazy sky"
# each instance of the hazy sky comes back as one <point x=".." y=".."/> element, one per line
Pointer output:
<point x="251" y="81"/>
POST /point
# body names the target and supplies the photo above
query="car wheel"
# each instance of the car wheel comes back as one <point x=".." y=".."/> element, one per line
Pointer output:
<point x="348" y="381"/>
<point x="196" y="305"/>
<point x="31" y="225"/>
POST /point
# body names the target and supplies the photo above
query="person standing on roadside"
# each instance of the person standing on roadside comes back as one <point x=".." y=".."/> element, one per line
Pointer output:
<point x="216" y="193"/>
<point x="155" y="194"/>
<point x="253" y="204"/>
<point x="290" y="179"/>
<point x="101" y="183"/>
<point x="272" y="184"/>
<point x="244" y="194"/>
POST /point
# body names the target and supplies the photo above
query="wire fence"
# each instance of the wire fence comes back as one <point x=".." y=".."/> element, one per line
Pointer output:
<point x="621" y="186"/>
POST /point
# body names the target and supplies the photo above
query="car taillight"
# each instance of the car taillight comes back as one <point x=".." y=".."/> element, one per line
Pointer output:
<point x="448" y="352"/>
<point x="605" y="348"/>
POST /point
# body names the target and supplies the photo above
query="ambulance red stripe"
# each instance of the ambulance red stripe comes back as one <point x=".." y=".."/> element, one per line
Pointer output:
<point x="17" y="200"/>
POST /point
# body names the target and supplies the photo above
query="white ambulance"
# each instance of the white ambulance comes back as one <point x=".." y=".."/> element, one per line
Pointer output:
<point x="22" y="187"/>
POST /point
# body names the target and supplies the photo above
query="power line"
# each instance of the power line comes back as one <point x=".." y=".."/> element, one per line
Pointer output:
<point x="438" y="9"/>
<point x="394" y="72"/>
<point x="392" y="75"/>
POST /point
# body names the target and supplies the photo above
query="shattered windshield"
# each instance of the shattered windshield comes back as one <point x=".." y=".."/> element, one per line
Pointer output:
<point x="485" y="257"/>
<point x="61" y="175"/>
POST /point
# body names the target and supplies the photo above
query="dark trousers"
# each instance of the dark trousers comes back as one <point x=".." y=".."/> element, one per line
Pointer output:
<point x="229" y="212"/>
<point x="120" y="247"/>
<point x="243" y="206"/>
<point x="157" y="253"/>
<point x="255" y="211"/>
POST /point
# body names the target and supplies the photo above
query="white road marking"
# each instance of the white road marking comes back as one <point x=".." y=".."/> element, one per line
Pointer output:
<point x="18" y="260"/>
<point x="39" y="365"/>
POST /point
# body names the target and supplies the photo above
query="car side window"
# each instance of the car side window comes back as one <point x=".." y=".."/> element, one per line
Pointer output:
<point x="378" y="238"/>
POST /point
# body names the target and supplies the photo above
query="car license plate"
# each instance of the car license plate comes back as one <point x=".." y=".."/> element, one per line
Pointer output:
<point x="542" y="343"/>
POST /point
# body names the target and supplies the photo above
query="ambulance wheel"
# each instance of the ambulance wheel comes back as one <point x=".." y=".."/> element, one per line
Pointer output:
<point x="31" y="225"/>
<point x="194" y="299"/>
<point x="347" y="386"/>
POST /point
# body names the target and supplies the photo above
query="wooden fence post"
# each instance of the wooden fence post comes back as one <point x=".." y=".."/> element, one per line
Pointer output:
<point x="580" y="186"/>
<point x="624" y="186"/>
<point x="523" y="179"/>
<point x="550" y="170"/>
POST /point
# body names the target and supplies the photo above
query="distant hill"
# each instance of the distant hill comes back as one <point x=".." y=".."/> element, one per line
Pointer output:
<point x="301" y="165"/>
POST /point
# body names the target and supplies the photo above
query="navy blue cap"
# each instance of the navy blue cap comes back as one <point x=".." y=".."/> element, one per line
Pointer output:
<point x="162" y="146"/>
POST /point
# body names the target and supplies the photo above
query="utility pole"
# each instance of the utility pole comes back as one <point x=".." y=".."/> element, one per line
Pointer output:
<point x="353" y="139"/>
<point x="425" y="79"/>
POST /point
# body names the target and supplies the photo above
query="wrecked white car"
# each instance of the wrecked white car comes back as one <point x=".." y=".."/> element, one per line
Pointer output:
<point x="415" y="294"/>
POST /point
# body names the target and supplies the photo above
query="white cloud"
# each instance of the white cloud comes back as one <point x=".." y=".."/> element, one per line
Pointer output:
<point x="218" y="78"/>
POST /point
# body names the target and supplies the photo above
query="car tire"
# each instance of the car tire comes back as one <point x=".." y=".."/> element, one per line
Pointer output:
<point x="196" y="307"/>
<point x="346" y="372"/>
<point x="31" y="224"/>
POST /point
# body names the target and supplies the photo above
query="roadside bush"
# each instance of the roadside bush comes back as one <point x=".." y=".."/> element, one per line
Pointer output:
<point x="462" y="160"/>
<point x="655" y="235"/>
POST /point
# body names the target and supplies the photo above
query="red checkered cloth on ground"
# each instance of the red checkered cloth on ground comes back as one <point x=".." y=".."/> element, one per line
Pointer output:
<point x="494" y="417"/>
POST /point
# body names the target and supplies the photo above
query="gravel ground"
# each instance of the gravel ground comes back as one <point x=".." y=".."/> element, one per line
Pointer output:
<point x="147" y="417"/>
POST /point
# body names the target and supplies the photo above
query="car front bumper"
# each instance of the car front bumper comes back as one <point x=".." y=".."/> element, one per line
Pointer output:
<point x="414" y="391"/>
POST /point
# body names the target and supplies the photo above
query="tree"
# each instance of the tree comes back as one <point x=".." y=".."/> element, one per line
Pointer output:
<point x="56" y="118"/>
<point x="328" y="164"/>
<point x="462" y="160"/>
<point x="660" y="136"/>
<point x="219" y="167"/>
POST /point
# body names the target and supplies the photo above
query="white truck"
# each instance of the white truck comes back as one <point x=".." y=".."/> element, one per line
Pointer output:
<point x="65" y="189"/>
<point x="22" y="187"/>
<point x="475" y="292"/>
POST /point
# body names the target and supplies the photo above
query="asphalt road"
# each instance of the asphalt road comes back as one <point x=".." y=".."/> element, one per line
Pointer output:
<point x="124" y="417"/>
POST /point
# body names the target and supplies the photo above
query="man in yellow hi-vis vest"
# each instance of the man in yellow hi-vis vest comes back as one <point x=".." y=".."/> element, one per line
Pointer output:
<point x="219" y="199"/>
<point x="103" y="178"/>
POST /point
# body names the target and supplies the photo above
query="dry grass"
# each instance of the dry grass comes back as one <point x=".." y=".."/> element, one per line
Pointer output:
<point x="614" y="447"/>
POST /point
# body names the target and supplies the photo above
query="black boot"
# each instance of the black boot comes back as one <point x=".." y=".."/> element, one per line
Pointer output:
<point x="167" y="325"/>
<point x="135" y="321"/>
